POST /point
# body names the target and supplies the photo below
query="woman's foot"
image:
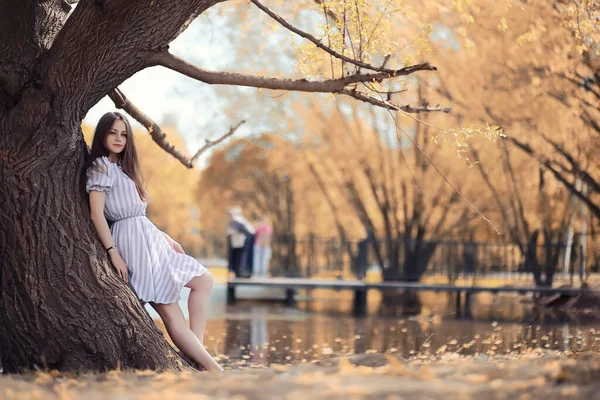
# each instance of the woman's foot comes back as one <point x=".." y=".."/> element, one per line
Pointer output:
<point x="188" y="360"/>
<point x="183" y="337"/>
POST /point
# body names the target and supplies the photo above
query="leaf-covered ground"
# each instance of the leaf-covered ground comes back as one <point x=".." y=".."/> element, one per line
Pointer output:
<point x="537" y="374"/>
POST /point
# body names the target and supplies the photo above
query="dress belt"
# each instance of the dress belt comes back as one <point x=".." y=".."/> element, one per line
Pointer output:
<point x="129" y="217"/>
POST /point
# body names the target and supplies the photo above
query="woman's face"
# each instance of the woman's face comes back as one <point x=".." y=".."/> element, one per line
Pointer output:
<point x="116" y="139"/>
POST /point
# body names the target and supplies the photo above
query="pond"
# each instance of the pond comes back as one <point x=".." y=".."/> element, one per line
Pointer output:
<point x="260" y="334"/>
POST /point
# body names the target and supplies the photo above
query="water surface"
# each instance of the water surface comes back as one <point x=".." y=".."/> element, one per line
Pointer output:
<point x="258" y="334"/>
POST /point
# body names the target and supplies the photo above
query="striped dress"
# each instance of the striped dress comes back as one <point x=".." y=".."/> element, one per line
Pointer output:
<point x="156" y="272"/>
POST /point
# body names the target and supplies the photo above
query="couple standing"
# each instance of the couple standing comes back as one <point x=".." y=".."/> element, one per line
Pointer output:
<point x="249" y="248"/>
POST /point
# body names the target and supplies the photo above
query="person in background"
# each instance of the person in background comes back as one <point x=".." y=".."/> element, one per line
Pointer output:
<point x="238" y="232"/>
<point x="262" y="248"/>
<point x="248" y="262"/>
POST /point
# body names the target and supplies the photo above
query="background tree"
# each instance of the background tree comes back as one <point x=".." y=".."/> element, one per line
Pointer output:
<point x="532" y="93"/>
<point x="397" y="184"/>
<point x="543" y="95"/>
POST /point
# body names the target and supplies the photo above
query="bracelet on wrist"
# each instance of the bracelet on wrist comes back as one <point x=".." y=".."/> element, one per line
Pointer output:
<point x="111" y="247"/>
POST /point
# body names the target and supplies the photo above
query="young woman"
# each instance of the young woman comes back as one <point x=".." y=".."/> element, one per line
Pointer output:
<point x="154" y="264"/>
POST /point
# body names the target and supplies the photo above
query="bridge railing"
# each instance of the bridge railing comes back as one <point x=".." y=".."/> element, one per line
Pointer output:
<point x="314" y="256"/>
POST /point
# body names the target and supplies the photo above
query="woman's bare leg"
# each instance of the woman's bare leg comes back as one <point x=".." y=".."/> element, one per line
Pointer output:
<point x="183" y="337"/>
<point x="198" y="302"/>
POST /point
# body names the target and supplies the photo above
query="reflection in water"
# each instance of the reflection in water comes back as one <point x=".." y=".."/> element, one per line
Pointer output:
<point x="259" y="335"/>
<point x="400" y="304"/>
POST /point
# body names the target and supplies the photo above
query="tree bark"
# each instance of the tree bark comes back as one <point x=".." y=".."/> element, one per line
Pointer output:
<point x="61" y="305"/>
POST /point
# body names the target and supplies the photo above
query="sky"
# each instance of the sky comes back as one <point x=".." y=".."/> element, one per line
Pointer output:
<point x="203" y="111"/>
<point x="167" y="95"/>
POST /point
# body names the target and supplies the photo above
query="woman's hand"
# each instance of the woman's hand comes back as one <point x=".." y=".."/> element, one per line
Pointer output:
<point x="177" y="247"/>
<point x="119" y="264"/>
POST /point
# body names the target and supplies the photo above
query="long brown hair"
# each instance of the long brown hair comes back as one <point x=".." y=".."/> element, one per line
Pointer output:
<point x="128" y="159"/>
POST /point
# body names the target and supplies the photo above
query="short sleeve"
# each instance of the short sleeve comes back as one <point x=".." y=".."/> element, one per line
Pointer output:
<point x="98" y="176"/>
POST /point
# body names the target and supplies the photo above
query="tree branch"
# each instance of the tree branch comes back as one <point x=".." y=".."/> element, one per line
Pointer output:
<point x="320" y="44"/>
<point x="513" y="229"/>
<point x="211" y="143"/>
<point x="453" y="199"/>
<point x="82" y="74"/>
<point x="332" y="206"/>
<point x="327" y="10"/>
<point x="391" y="106"/>
<point x="544" y="161"/>
<point x="518" y="209"/>
<point x="590" y="121"/>
<point x="177" y="64"/>
<point x="435" y="202"/>
<point x="338" y="85"/>
<point x="158" y="135"/>
<point x="595" y="185"/>
<point x="584" y="83"/>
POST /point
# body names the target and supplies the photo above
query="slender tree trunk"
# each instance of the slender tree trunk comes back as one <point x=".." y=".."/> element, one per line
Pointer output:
<point x="553" y="250"/>
<point x="61" y="304"/>
<point x="416" y="259"/>
<point x="531" y="260"/>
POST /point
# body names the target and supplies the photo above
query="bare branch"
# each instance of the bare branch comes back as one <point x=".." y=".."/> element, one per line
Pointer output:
<point x="391" y="106"/>
<point x="583" y="83"/>
<point x="595" y="185"/>
<point x="453" y="199"/>
<point x="320" y="44"/>
<point x="211" y="143"/>
<point x="435" y="202"/>
<point x="156" y="132"/>
<point x="515" y="201"/>
<point x="506" y="218"/>
<point x="590" y="121"/>
<point x="333" y="207"/>
<point x="327" y="10"/>
<point x="339" y="85"/>
<point x="544" y="161"/>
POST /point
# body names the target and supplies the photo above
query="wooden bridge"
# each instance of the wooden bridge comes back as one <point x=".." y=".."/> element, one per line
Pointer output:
<point x="361" y="289"/>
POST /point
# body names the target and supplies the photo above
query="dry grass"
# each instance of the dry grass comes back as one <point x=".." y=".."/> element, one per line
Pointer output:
<point x="536" y="374"/>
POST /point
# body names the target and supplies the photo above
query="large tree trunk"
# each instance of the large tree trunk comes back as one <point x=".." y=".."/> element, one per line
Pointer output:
<point x="61" y="304"/>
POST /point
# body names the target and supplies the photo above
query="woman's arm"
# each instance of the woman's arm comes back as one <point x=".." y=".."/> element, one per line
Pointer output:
<point x="97" y="200"/>
<point x="176" y="246"/>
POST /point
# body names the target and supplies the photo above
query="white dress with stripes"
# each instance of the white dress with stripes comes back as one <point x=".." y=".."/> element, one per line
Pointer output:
<point x="156" y="272"/>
